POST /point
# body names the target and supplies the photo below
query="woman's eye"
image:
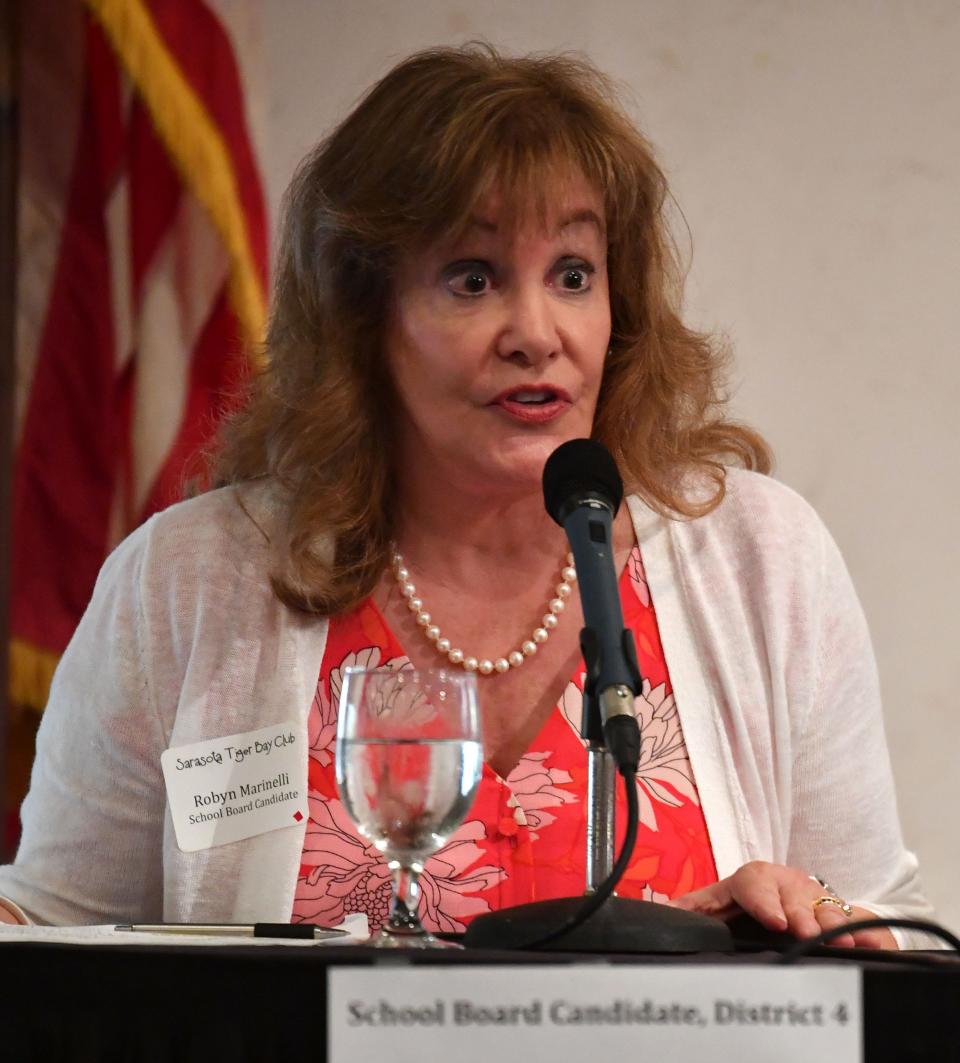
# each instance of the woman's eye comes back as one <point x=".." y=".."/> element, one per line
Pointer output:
<point x="474" y="283"/>
<point x="473" y="280"/>
<point x="575" y="278"/>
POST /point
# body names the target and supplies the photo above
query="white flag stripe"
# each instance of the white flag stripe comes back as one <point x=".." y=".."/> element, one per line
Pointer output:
<point x="202" y="266"/>
<point x="179" y="291"/>
<point x="118" y="248"/>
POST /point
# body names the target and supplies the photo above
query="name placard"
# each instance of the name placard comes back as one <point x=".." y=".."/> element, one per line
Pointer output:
<point x="752" y="1014"/>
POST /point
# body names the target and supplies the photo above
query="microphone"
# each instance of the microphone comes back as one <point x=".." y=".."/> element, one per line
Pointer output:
<point x="582" y="491"/>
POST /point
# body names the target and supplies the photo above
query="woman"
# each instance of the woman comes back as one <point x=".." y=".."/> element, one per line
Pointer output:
<point x="475" y="269"/>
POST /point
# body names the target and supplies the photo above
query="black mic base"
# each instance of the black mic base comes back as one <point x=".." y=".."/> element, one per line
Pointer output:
<point x="619" y="925"/>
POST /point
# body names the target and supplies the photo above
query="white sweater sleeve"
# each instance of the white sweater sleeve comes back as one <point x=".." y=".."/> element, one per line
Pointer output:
<point x="844" y="822"/>
<point x="91" y="848"/>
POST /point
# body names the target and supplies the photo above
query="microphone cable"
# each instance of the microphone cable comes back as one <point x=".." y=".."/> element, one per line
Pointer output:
<point x="595" y="900"/>
<point x="807" y="945"/>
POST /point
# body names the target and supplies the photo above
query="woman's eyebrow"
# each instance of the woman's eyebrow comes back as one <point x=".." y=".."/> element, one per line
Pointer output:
<point x="483" y="224"/>
<point x="580" y="217"/>
<point x="577" y="217"/>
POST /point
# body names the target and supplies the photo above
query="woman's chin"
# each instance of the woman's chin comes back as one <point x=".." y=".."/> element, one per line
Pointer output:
<point x="517" y="467"/>
<point x="534" y="450"/>
<point x="507" y="466"/>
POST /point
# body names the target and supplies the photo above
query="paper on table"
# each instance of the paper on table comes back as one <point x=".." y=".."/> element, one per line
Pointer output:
<point x="355" y="925"/>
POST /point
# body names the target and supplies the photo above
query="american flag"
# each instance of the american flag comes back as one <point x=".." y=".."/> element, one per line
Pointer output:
<point x="143" y="270"/>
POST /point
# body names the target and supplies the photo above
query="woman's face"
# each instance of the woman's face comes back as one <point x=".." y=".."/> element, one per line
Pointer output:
<point x="496" y="344"/>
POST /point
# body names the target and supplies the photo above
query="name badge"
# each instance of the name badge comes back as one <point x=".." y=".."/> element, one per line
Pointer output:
<point x="225" y="789"/>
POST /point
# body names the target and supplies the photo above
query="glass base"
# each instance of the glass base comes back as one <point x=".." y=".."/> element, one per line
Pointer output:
<point x="409" y="939"/>
<point x="403" y="929"/>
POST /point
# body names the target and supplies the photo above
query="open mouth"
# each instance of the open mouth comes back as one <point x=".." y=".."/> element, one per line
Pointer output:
<point x="534" y="405"/>
<point x="533" y="398"/>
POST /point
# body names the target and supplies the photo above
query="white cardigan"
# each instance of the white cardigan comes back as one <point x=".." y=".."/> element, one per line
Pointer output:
<point x="764" y="638"/>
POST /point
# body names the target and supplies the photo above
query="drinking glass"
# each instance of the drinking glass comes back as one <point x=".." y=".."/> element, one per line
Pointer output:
<point x="408" y="762"/>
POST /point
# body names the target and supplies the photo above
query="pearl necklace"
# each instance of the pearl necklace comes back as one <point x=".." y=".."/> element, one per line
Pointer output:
<point x="483" y="665"/>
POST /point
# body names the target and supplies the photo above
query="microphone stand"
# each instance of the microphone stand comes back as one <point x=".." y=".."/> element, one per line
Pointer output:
<point x="601" y="806"/>
<point x="620" y="924"/>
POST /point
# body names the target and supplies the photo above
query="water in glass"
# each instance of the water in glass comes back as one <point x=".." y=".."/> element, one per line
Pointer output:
<point x="409" y="759"/>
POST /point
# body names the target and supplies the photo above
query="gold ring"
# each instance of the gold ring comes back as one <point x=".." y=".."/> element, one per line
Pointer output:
<point x="839" y="902"/>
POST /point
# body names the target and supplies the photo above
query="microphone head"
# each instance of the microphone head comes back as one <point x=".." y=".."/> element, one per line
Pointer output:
<point x="577" y="471"/>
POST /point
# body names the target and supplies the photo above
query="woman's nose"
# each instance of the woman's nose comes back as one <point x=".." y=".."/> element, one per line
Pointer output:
<point x="530" y="329"/>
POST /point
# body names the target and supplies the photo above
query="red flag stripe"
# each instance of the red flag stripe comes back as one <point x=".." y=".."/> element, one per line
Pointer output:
<point x="67" y="457"/>
<point x="53" y="104"/>
<point x="155" y="194"/>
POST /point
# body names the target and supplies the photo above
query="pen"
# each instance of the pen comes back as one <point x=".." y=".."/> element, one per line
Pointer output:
<point x="255" y="930"/>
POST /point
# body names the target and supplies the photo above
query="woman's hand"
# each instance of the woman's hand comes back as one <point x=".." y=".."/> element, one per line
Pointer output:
<point x="782" y="898"/>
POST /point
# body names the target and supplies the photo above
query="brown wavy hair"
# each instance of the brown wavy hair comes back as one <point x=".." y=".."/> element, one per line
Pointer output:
<point x="410" y="164"/>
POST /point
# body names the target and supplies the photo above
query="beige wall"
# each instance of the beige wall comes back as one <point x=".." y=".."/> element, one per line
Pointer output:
<point x="814" y="151"/>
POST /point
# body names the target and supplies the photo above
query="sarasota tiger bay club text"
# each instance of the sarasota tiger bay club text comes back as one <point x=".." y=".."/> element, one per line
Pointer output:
<point x="213" y="804"/>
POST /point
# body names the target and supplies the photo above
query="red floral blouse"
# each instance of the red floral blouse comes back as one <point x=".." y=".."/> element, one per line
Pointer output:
<point x="524" y="838"/>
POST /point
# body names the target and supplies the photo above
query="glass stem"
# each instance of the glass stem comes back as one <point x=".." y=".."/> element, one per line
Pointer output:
<point x="403" y="917"/>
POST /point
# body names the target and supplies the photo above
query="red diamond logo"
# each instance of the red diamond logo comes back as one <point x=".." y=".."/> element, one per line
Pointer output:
<point x="298" y="816"/>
